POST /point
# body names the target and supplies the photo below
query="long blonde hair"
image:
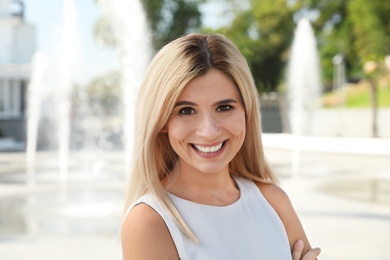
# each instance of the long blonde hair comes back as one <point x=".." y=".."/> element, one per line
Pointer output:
<point x="171" y="69"/>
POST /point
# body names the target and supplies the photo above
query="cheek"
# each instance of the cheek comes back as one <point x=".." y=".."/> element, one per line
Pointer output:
<point x="239" y="131"/>
<point x="178" y="130"/>
<point x="237" y="126"/>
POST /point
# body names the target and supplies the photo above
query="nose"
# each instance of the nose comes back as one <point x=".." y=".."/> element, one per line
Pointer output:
<point x="208" y="127"/>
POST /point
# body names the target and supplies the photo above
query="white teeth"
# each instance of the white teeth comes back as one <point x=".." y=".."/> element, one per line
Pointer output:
<point x="211" y="149"/>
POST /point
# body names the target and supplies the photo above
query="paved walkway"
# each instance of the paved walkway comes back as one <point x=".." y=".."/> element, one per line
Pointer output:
<point x="343" y="200"/>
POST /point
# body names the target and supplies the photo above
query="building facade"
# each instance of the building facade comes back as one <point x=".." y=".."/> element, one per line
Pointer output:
<point x="17" y="47"/>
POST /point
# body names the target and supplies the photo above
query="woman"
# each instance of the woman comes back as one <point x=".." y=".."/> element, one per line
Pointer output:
<point x="200" y="186"/>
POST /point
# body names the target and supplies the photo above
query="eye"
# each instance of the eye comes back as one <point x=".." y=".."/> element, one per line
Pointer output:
<point x="186" y="111"/>
<point x="224" y="108"/>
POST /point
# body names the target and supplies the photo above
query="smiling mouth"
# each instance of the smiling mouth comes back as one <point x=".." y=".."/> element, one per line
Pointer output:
<point x="209" y="149"/>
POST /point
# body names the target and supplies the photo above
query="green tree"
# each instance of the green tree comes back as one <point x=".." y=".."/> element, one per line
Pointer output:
<point x="360" y="29"/>
<point x="371" y="29"/>
<point x="263" y="33"/>
<point x="351" y="28"/>
<point x="333" y="29"/>
<point x="101" y="96"/>
<point x="167" y="20"/>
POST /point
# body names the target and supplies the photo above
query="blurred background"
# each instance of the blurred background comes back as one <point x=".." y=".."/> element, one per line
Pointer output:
<point x="69" y="75"/>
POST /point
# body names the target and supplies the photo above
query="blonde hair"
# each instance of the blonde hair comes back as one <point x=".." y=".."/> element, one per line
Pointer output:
<point x="170" y="71"/>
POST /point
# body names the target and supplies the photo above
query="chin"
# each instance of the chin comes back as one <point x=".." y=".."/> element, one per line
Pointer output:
<point x="211" y="170"/>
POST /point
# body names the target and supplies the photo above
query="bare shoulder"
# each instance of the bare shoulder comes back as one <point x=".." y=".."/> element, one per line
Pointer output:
<point x="282" y="205"/>
<point x="144" y="235"/>
<point x="275" y="195"/>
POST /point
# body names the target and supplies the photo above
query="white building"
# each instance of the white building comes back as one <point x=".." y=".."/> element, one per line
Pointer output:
<point x="17" y="46"/>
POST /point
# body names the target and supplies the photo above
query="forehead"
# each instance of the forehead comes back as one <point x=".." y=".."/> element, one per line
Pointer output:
<point x="212" y="84"/>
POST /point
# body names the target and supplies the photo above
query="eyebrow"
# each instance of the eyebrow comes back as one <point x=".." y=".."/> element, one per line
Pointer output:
<point x="185" y="103"/>
<point x="221" y="102"/>
<point x="226" y="101"/>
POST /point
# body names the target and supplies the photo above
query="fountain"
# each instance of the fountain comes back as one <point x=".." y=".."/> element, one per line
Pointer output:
<point x="304" y="86"/>
<point x="63" y="114"/>
<point x="69" y="52"/>
<point x="304" y="80"/>
<point x="35" y="88"/>
<point x="88" y="197"/>
<point x="55" y="95"/>
<point x="131" y="31"/>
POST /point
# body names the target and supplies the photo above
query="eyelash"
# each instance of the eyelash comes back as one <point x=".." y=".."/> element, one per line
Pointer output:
<point x="190" y="111"/>
<point x="186" y="111"/>
<point x="224" y="108"/>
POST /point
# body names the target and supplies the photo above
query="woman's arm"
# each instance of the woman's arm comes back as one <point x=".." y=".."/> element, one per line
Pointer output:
<point x="279" y="200"/>
<point x="145" y="236"/>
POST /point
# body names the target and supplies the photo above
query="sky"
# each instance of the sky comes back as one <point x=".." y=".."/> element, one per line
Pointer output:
<point x="47" y="17"/>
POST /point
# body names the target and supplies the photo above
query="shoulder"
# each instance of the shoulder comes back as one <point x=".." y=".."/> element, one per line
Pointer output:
<point x="282" y="205"/>
<point x="275" y="196"/>
<point x="144" y="235"/>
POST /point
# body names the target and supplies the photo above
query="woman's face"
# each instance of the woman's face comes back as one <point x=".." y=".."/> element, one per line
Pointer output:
<point x="207" y="125"/>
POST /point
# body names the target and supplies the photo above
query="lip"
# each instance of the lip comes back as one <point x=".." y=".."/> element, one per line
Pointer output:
<point x="210" y="154"/>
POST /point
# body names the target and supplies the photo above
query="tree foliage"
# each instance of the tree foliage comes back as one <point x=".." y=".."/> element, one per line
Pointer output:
<point x="169" y="19"/>
<point x="263" y="33"/>
<point x="372" y="38"/>
<point x="102" y="95"/>
<point x="358" y="29"/>
<point x="363" y="29"/>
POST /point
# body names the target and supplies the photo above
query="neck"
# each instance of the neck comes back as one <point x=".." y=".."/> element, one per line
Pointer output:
<point x="216" y="188"/>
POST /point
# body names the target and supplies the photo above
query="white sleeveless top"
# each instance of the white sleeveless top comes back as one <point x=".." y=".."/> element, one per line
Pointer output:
<point x="247" y="229"/>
